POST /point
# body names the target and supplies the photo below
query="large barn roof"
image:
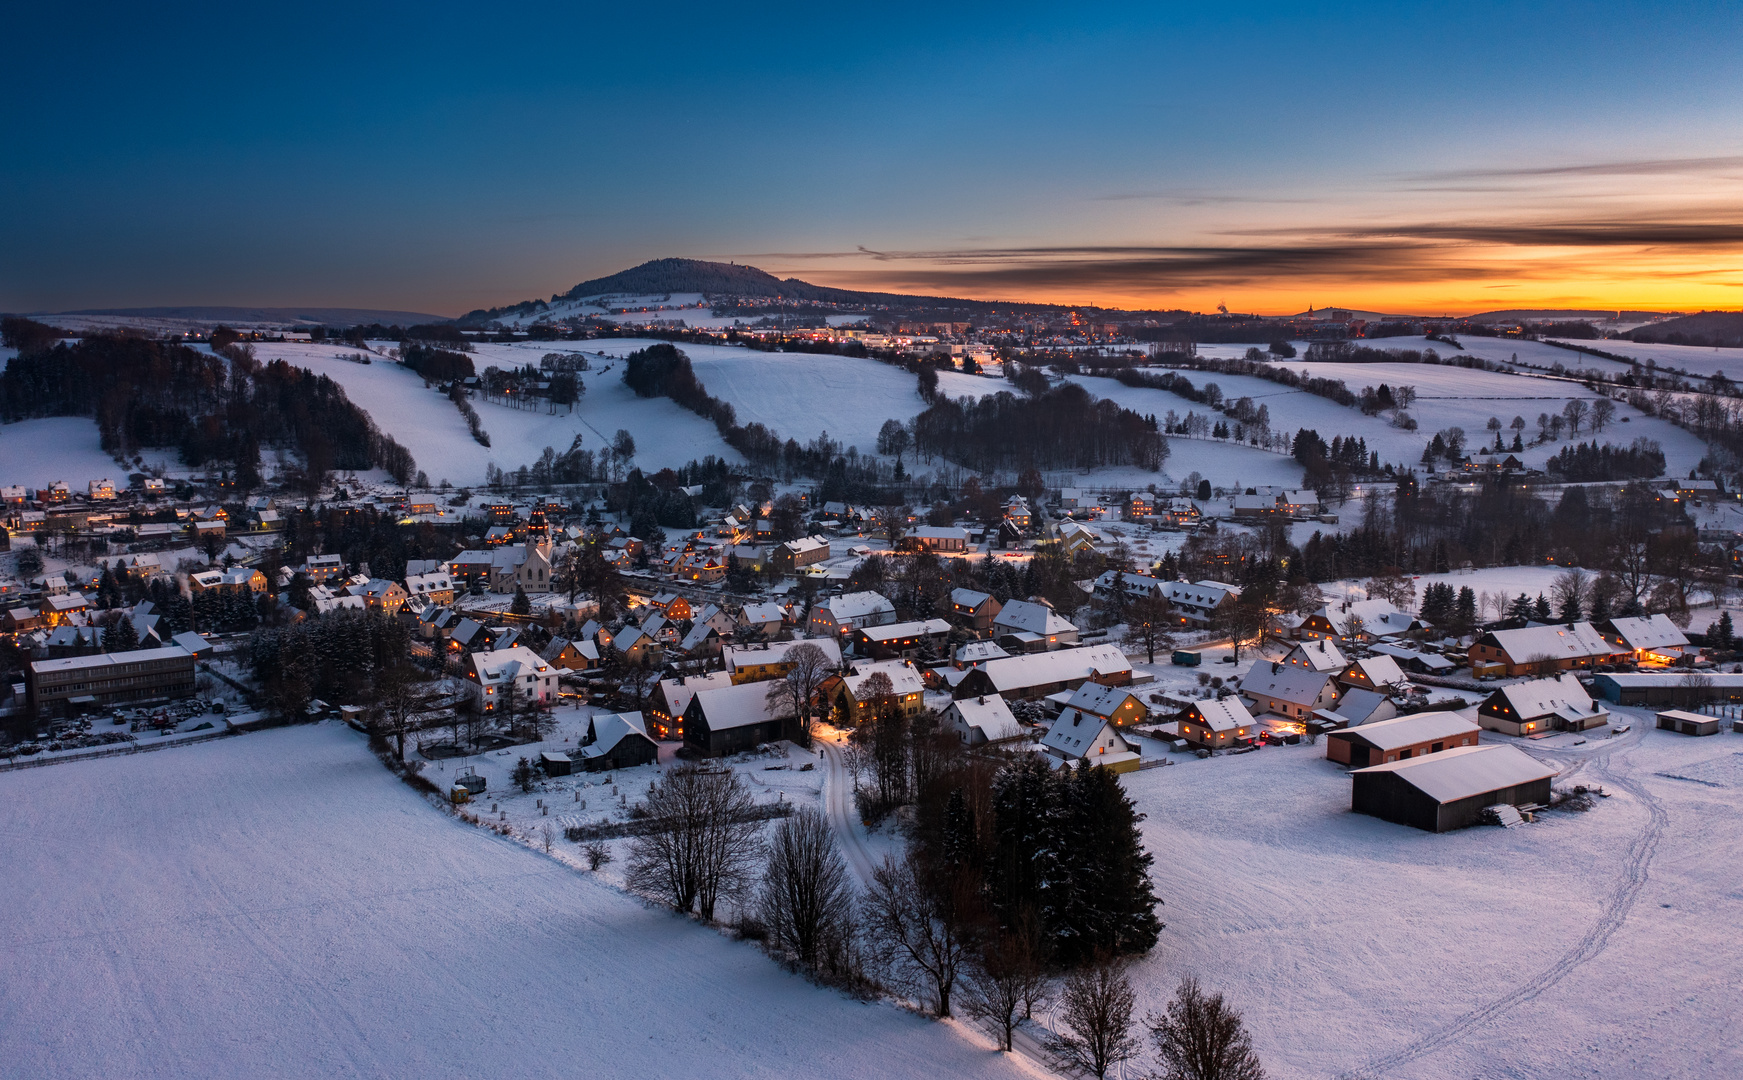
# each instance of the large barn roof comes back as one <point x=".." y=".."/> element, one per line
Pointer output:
<point x="1465" y="771"/>
<point x="1401" y="731"/>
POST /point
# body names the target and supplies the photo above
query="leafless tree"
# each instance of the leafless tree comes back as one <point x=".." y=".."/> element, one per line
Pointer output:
<point x="1004" y="982"/>
<point x="1574" y="412"/>
<point x="806" y="899"/>
<point x="920" y="930"/>
<point x="1201" y="1037"/>
<point x="597" y="855"/>
<point x="402" y="702"/>
<point x="1148" y="621"/>
<point x="1573" y="590"/>
<point x="1602" y="410"/>
<point x="807" y="667"/>
<point x="702" y="841"/>
<point x="1096" y="1004"/>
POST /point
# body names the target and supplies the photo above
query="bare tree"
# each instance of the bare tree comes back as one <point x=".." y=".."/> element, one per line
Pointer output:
<point x="1574" y="412"/>
<point x="1004" y="982"/>
<point x="1201" y="1037"/>
<point x="1602" y="410"/>
<point x="1148" y="621"/>
<point x="702" y="840"/>
<point x="806" y="900"/>
<point x="807" y="667"/>
<point x="402" y="701"/>
<point x="1573" y="593"/>
<point x="921" y="930"/>
<point x="1096" y="1004"/>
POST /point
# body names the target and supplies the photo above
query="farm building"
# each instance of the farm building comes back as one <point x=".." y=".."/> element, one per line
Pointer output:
<point x="1539" y="649"/>
<point x="1668" y="687"/>
<point x="728" y="719"/>
<point x="757" y="663"/>
<point x="1687" y="723"/>
<point x="556" y="764"/>
<point x="1399" y="739"/>
<point x="1530" y="708"/>
<point x="1036" y="675"/>
<point x="983" y="720"/>
<point x="1450" y="790"/>
<point x="1215" y="724"/>
<point x="901" y="639"/>
<point x="1290" y="692"/>
<point x="1032" y="627"/>
<point x="617" y="741"/>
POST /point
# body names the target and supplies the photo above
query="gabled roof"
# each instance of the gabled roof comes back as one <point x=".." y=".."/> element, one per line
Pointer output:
<point x="918" y="628"/>
<point x="1378" y="617"/>
<point x="1464" y="772"/>
<point x="609" y="729"/>
<point x="1075" y="732"/>
<point x="1099" y="700"/>
<point x="1541" y="697"/>
<point x="1318" y="654"/>
<point x="1286" y="682"/>
<point x="1432" y="661"/>
<point x="1357" y="705"/>
<point x="1401" y="731"/>
<point x="1577" y="641"/>
<point x="1649" y="632"/>
<point x="679" y="692"/>
<point x="1060" y="665"/>
<point x="856" y="605"/>
<point x="1032" y="618"/>
<point x="968" y="598"/>
<point x="904" y="680"/>
<point x="726" y="707"/>
<point x="979" y="652"/>
<point x="756" y="614"/>
<point x="1379" y="670"/>
<point x="1226" y="714"/>
<point x="775" y="652"/>
<point x="990" y="716"/>
<point x="1199" y="593"/>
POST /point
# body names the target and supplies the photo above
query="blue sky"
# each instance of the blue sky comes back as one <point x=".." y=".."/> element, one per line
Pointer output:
<point x="438" y="158"/>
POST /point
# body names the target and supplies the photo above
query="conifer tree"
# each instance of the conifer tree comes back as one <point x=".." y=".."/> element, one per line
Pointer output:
<point x="1113" y="908"/>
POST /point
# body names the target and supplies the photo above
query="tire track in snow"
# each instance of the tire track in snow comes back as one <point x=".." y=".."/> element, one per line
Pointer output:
<point x="838" y="804"/>
<point x="1635" y="870"/>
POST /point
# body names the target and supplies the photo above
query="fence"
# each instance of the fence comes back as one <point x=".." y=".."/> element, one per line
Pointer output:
<point x="115" y="751"/>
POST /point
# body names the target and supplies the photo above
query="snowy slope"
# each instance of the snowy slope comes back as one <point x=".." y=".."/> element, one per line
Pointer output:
<point x="1695" y="359"/>
<point x="35" y="453"/>
<point x="278" y="905"/>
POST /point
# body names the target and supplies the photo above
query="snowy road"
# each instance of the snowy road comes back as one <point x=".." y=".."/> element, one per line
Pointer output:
<point x="839" y="805"/>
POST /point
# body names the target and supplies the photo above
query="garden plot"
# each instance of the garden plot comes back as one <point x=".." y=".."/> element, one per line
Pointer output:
<point x="279" y="905"/>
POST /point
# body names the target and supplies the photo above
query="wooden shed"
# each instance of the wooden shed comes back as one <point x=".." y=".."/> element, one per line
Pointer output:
<point x="1451" y="789"/>
<point x="555" y="764"/>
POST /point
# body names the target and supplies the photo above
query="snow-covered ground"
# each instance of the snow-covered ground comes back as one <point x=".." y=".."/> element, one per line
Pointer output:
<point x="1697" y="360"/>
<point x="35" y="453"/>
<point x="278" y="905"/>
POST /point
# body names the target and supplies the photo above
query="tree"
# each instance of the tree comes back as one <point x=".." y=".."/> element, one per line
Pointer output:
<point x="1521" y="608"/>
<point x="806" y="900"/>
<point x="1572" y="590"/>
<point x="1242" y="620"/>
<point x="1465" y="610"/>
<point x="520" y="605"/>
<point x="524" y="774"/>
<point x="893" y="439"/>
<point x="1540" y="609"/>
<point x="1723" y="633"/>
<point x="1574" y="412"/>
<point x="120" y="636"/>
<point x="1148" y="621"/>
<point x="1096" y="1005"/>
<point x="1005" y="981"/>
<point x="1201" y="1037"/>
<point x="1107" y="905"/>
<point x="401" y="701"/>
<point x="1602" y="410"/>
<point x="807" y="667"/>
<point x="920" y="925"/>
<point x="701" y="842"/>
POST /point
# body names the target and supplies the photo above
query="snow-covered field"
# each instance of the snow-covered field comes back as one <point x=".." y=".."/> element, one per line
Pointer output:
<point x="35" y="453"/>
<point x="278" y="905"/>
<point x="1697" y="360"/>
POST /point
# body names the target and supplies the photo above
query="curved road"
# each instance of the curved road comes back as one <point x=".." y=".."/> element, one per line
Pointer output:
<point x="838" y="805"/>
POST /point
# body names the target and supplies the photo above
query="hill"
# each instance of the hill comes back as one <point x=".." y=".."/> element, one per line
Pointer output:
<point x="1715" y="328"/>
<point x="262" y="317"/>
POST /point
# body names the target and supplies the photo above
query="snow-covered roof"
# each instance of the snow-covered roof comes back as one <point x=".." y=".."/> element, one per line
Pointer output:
<point x="1099" y="700"/>
<point x="1033" y="618"/>
<point x="1465" y="771"/>
<point x="1060" y="665"/>
<point x="740" y="706"/>
<point x="426" y="583"/>
<point x="775" y="652"/>
<point x="1285" y="682"/>
<point x="968" y="598"/>
<point x="990" y="715"/>
<point x="806" y="544"/>
<point x="678" y="692"/>
<point x="1378" y="617"/>
<point x="890" y="631"/>
<point x="1576" y="641"/>
<point x="609" y="729"/>
<point x="507" y="664"/>
<point x="856" y="605"/>
<point x="1226" y="714"/>
<point x="1357" y="705"/>
<point x="1649" y="632"/>
<point x="1317" y="654"/>
<point x="757" y="614"/>
<point x="74" y="663"/>
<point x="1627" y="680"/>
<point x="1199" y="593"/>
<point x="1432" y="661"/>
<point x="904" y="679"/>
<point x="940" y="532"/>
<point x="979" y="652"/>
<point x="1074" y="733"/>
<point x="1381" y="670"/>
<point x="1403" y="731"/>
<point x="1541" y="697"/>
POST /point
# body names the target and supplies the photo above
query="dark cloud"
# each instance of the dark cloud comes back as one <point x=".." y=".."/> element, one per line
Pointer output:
<point x="1602" y="234"/>
<point x="1642" y="167"/>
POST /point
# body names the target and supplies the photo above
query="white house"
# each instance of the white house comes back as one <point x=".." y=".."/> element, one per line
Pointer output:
<point x="1290" y="692"/>
<point x="1036" y="627"/>
<point x="841" y="615"/>
<point x="983" y="720"/>
<point x="1078" y="738"/>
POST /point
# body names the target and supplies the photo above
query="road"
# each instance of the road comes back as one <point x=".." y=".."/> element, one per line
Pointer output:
<point x="838" y="804"/>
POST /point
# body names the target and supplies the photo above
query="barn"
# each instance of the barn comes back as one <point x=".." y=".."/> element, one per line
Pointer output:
<point x="1450" y="790"/>
<point x="1399" y="738"/>
<point x="728" y="719"/>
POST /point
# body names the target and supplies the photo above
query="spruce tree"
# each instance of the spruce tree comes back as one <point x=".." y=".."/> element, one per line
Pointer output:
<point x="1521" y="608"/>
<point x="1570" y="609"/>
<point x="1114" y="908"/>
<point x="1026" y="808"/>
<point x="1722" y="631"/>
<point x="1465" y="611"/>
<point x="1540" y="609"/>
<point x="521" y="605"/>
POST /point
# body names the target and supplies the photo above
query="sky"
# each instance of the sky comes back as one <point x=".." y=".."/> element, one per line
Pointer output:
<point x="1436" y="159"/>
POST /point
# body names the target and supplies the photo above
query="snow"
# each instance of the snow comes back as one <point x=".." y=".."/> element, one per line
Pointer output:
<point x="38" y="452"/>
<point x="1697" y="360"/>
<point x="277" y="904"/>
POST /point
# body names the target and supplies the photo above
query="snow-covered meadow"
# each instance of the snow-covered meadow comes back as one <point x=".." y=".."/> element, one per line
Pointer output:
<point x="36" y="453"/>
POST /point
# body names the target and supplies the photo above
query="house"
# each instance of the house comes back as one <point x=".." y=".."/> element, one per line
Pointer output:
<point x="70" y="640"/>
<point x="842" y="615"/>
<point x="1074" y="536"/>
<point x="383" y="595"/>
<point x="1415" y="661"/>
<point x="765" y="618"/>
<point x="1290" y="692"/>
<point x="1215" y="724"/>
<point x="1357" y="622"/>
<point x="617" y="741"/>
<point x="1687" y="723"/>
<point x="1316" y="654"/>
<point x="1539" y="650"/>
<point x="53" y="687"/>
<point x="634" y="642"/>
<point x="665" y="712"/>
<point x="975" y="610"/>
<point x="1668" y="688"/>
<point x="1648" y="639"/>
<point x="1200" y="602"/>
<point x="501" y="569"/>
<point x="849" y="699"/>
<point x="672" y="606"/>
<point x="58" y="609"/>
<point x="517" y="671"/>
<point x="1257" y="507"/>
<point x="1379" y="672"/>
<point x="1017" y="513"/>
<point x="762" y="661"/>
<point x="101" y="489"/>
<point x="795" y="555"/>
<point x="983" y="720"/>
<point x="1530" y="708"/>
<point x="571" y="655"/>
<point x="901" y="639"/>
<point x="21" y="620"/>
<point x="1181" y="513"/>
<point x="727" y="719"/>
<point x="702" y="639"/>
<point x="323" y="568"/>
<point x="1451" y="789"/>
<point x="1117" y="705"/>
<point x="432" y="587"/>
<point x="1353" y="709"/>
<point x="937" y="539"/>
<point x="973" y="653"/>
<point x="1300" y="504"/>
<point x="1399" y="738"/>
<point x="1114" y="584"/>
<point x="1141" y="505"/>
<point x="1082" y="739"/>
<point x="1036" y="675"/>
<point x="1032" y="627"/>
